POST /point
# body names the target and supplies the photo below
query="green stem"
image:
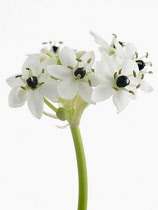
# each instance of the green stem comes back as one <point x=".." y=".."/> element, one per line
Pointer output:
<point x="50" y="105"/>
<point x="82" y="169"/>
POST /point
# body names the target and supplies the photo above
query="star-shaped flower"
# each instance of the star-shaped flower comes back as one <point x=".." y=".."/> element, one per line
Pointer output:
<point x="75" y="74"/>
<point x="118" y="80"/>
<point x="131" y="52"/>
<point x="32" y="85"/>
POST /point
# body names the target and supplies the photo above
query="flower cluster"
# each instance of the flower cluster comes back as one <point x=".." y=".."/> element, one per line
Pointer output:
<point x="73" y="79"/>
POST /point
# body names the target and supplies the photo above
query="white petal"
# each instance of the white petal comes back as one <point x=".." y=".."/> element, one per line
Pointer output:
<point x="15" y="81"/>
<point x="14" y="100"/>
<point x="120" y="100"/>
<point x="102" y="92"/>
<point x="35" y="103"/>
<point x="110" y="62"/>
<point x="33" y="63"/>
<point x="85" y="91"/>
<point x="128" y="66"/>
<point x="68" y="57"/>
<point x="145" y="86"/>
<point x="99" y="40"/>
<point x="49" y="89"/>
<point x="93" y="78"/>
<point x="85" y="58"/>
<point x="119" y="49"/>
<point x="49" y="61"/>
<point x="102" y="70"/>
<point x="130" y="50"/>
<point x="80" y="53"/>
<point x="67" y="89"/>
<point x="59" y="72"/>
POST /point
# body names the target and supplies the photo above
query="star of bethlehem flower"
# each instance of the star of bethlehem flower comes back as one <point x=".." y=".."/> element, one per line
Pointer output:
<point x="118" y="80"/>
<point x="75" y="73"/>
<point x="110" y="49"/>
<point x="131" y="52"/>
<point x="32" y="84"/>
<point x="123" y="50"/>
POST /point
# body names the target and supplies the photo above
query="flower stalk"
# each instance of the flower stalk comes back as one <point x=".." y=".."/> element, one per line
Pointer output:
<point x="82" y="169"/>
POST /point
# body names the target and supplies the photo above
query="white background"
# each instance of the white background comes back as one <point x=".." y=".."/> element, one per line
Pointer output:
<point x="37" y="160"/>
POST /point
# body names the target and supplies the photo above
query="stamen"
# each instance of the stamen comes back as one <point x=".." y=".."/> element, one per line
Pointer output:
<point x="134" y="73"/>
<point x="70" y="67"/>
<point x="150" y="72"/>
<point x="27" y="69"/>
<point x="119" y="71"/>
<point x="138" y="86"/>
<point x="114" y="35"/>
<point x="41" y="83"/>
<point x="78" y="77"/>
<point x="136" y="54"/>
<point x="42" y="71"/>
<point x="89" y="60"/>
<point x="115" y="74"/>
<point x="17" y="76"/>
<point x="24" y="88"/>
<point x="44" y="42"/>
<point x="147" y="54"/>
<point x="142" y="76"/>
<point x="78" y="59"/>
<point x="130" y="91"/>
<point x="92" y="70"/>
<point x="89" y="82"/>
<point x="115" y="88"/>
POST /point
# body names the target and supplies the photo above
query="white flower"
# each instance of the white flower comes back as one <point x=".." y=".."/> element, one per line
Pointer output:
<point x="104" y="46"/>
<point x="75" y="73"/>
<point x="118" y="80"/>
<point x="32" y="85"/>
<point x="130" y="52"/>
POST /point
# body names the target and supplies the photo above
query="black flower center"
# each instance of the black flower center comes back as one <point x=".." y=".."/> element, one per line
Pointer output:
<point x="122" y="81"/>
<point x="141" y="64"/>
<point x="32" y="82"/>
<point x="80" y="72"/>
<point x="54" y="48"/>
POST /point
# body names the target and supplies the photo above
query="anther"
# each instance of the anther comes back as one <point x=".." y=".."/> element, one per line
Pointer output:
<point x="119" y="71"/>
<point x="89" y="60"/>
<point x="142" y="76"/>
<point x="78" y="59"/>
<point x="92" y="70"/>
<point x="70" y="67"/>
<point x="44" y="42"/>
<point x="136" y="54"/>
<point x="115" y="74"/>
<point x="138" y="86"/>
<point x="134" y="73"/>
<point x="17" y="76"/>
<point x="89" y="82"/>
<point x="78" y="77"/>
<point x="147" y="54"/>
<point x="27" y="69"/>
<point x="114" y="35"/>
<point x="42" y="71"/>
<point x="130" y="91"/>
<point x="150" y="72"/>
<point x="41" y="83"/>
<point x="23" y="88"/>
<point x="115" y="88"/>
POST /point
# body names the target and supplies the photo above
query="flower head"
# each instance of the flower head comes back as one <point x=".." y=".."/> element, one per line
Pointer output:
<point x="118" y="80"/>
<point x="75" y="74"/>
<point x="32" y="85"/>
